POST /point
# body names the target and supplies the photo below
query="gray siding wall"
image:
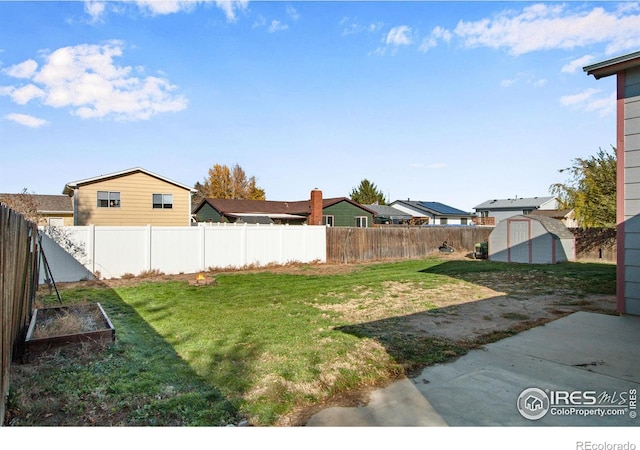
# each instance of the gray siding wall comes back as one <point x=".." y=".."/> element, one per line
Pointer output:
<point x="632" y="191"/>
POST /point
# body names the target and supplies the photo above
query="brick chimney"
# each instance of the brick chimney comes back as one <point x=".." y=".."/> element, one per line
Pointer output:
<point x="315" y="218"/>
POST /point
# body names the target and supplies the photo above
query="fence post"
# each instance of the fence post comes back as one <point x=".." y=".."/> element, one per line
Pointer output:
<point x="203" y="251"/>
<point x="148" y="253"/>
<point x="91" y="247"/>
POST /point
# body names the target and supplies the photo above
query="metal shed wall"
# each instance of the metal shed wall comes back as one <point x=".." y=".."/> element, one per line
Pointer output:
<point x="525" y="239"/>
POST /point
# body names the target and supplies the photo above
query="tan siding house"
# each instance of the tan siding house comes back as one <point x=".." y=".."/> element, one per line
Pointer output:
<point x="132" y="197"/>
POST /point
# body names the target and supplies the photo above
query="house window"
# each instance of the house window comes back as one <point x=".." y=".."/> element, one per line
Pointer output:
<point x="162" y="201"/>
<point x="108" y="199"/>
<point x="463" y="221"/>
<point x="443" y="221"/>
<point x="526" y="212"/>
<point x="361" y="221"/>
<point x="327" y="220"/>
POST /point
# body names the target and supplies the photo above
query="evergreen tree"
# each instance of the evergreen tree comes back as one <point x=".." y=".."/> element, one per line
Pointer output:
<point x="367" y="194"/>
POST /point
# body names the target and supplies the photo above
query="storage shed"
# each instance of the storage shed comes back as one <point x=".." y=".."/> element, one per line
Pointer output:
<point x="531" y="239"/>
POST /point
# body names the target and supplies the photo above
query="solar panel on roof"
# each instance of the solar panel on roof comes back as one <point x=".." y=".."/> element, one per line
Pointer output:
<point x="441" y="208"/>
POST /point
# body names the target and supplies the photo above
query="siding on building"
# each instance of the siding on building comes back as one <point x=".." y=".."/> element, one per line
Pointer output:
<point x="207" y="213"/>
<point x="632" y="190"/>
<point x="344" y="214"/>
<point x="136" y="202"/>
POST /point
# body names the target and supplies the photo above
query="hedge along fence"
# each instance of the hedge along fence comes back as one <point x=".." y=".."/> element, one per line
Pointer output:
<point x="350" y="244"/>
<point x="18" y="285"/>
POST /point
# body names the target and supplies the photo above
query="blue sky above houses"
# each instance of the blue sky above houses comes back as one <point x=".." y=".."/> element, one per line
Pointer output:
<point x="452" y="102"/>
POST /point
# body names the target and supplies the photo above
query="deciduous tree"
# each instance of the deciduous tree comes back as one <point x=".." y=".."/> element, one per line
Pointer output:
<point x="590" y="190"/>
<point x="367" y="194"/>
<point x="225" y="182"/>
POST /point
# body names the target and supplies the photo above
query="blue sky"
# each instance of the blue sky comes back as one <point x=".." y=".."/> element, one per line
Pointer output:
<point x="455" y="102"/>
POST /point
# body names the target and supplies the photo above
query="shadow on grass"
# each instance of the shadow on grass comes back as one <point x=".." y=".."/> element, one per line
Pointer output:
<point x="568" y="278"/>
<point x="531" y="296"/>
<point x="138" y="380"/>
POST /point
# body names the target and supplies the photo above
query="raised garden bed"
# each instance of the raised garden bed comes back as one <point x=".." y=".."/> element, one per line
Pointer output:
<point x="68" y="325"/>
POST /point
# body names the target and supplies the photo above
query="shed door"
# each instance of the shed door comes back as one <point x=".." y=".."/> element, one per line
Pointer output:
<point x="519" y="241"/>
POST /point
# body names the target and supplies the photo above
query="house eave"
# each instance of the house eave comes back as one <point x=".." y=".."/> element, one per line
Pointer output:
<point x="613" y="66"/>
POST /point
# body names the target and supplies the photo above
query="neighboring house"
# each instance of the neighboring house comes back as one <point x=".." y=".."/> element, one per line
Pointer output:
<point x="627" y="71"/>
<point x="566" y="216"/>
<point x="432" y="213"/>
<point x="339" y="212"/>
<point x="131" y="197"/>
<point x="492" y="212"/>
<point x="388" y="215"/>
<point x="52" y="210"/>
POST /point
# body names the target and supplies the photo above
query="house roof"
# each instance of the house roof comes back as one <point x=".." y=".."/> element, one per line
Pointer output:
<point x="47" y="203"/>
<point x="296" y="209"/>
<point x="434" y="208"/>
<point x="69" y="187"/>
<point x="514" y="203"/>
<point x="554" y="213"/>
<point x="614" y="65"/>
<point x="389" y="211"/>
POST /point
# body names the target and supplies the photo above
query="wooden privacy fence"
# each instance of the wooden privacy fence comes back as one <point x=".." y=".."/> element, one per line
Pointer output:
<point x="18" y="285"/>
<point x="347" y="244"/>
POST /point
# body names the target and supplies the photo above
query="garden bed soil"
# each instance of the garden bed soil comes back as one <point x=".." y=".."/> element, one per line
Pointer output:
<point x="62" y="326"/>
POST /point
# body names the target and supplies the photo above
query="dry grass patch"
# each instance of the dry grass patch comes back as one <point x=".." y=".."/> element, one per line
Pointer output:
<point x="397" y="298"/>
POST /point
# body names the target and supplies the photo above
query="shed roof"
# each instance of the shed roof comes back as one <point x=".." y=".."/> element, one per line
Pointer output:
<point x="614" y="65"/>
<point x="70" y="186"/>
<point x="553" y="226"/>
<point x="514" y="203"/>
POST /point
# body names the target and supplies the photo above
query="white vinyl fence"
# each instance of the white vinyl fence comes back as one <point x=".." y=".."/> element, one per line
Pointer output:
<point x="113" y="251"/>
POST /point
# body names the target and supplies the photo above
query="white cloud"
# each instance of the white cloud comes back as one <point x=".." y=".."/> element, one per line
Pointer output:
<point x="581" y="97"/>
<point x="577" y="64"/>
<point x="85" y="79"/>
<point x="276" y="25"/>
<point x="590" y="101"/>
<point x="548" y="26"/>
<point x="524" y="78"/>
<point x="292" y="13"/>
<point x="437" y="166"/>
<point x="437" y="34"/>
<point x="399" y="36"/>
<point x="25" y="69"/>
<point x="354" y="26"/>
<point x="27" y="121"/>
<point x="96" y="9"/>
<point x="24" y="94"/>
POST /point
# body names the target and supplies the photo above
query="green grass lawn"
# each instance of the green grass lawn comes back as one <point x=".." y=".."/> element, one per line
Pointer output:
<point x="257" y="345"/>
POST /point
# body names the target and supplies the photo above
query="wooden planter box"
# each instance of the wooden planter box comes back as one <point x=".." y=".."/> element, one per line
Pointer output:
<point x="96" y="328"/>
